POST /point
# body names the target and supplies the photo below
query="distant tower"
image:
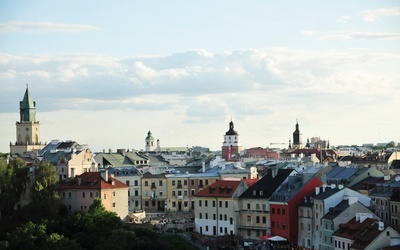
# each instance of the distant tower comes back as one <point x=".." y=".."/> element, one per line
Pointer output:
<point x="297" y="137"/>
<point x="28" y="129"/>
<point x="231" y="145"/>
<point x="149" y="142"/>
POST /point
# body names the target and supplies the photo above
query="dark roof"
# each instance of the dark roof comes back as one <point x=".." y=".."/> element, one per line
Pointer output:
<point x="353" y="229"/>
<point x="395" y="164"/>
<point x="149" y="175"/>
<point x="231" y="131"/>
<point x="329" y="191"/>
<point x="366" y="184"/>
<point x="264" y="188"/>
<point x="337" y="210"/>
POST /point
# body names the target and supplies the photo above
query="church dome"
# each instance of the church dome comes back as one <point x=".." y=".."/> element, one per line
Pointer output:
<point x="231" y="131"/>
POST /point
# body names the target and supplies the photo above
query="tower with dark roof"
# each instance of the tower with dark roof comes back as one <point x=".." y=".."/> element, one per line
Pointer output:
<point x="297" y="143"/>
<point x="231" y="146"/>
<point x="28" y="129"/>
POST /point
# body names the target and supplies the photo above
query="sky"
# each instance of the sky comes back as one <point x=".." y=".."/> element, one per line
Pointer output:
<point x="104" y="73"/>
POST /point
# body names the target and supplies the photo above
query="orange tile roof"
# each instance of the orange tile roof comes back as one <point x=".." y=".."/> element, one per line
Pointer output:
<point x="92" y="180"/>
<point x="250" y="182"/>
<point x="220" y="188"/>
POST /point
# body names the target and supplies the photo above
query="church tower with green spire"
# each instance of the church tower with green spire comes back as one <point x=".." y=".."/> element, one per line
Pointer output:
<point x="28" y="129"/>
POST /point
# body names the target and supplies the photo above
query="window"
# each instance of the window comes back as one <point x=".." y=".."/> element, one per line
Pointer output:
<point x="91" y="194"/>
<point x="113" y="193"/>
<point x="113" y="204"/>
<point x="264" y="220"/>
<point x="214" y="216"/>
<point x="146" y="183"/>
<point x="206" y="216"/>
<point x="146" y="203"/>
<point x="283" y="211"/>
<point x="136" y="192"/>
<point x="83" y="194"/>
<point x="220" y="216"/>
<point x="273" y="211"/>
<point x="160" y="183"/>
<point x="199" y="203"/>
<point x="231" y="220"/>
<point x="257" y="219"/>
<point x="206" y="181"/>
<point x="185" y="182"/>
<point x="192" y="192"/>
<point x="160" y="193"/>
<point x="213" y="203"/>
<point x="136" y="183"/>
<point x="173" y="193"/>
<point x="63" y="194"/>
<point x="185" y="192"/>
<point x="206" y="203"/>
<point x="105" y="196"/>
<point x="220" y="203"/>
<point x="192" y="183"/>
<point x="173" y="182"/>
<point x="248" y="218"/>
<point x="279" y="211"/>
<point x="272" y="223"/>
<point x="173" y="204"/>
<point x="207" y="228"/>
<point x="226" y="204"/>
<point x="248" y="206"/>
<point x="225" y="217"/>
<point x="301" y="226"/>
<point x="264" y="207"/>
<point x="200" y="216"/>
<point x="257" y="206"/>
<point x="128" y="183"/>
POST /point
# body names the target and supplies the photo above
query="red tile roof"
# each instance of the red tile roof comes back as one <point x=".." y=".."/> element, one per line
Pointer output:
<point x="92" y="180"/>
<point x="250" y="182"/>
<point x="353" y="229"/>
<point x="220" y="188"/>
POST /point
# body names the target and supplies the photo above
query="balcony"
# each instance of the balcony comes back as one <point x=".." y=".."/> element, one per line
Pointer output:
<point x="180" y="197"/>
<point x="153" y="186"/>
<point x="179" y="186"/>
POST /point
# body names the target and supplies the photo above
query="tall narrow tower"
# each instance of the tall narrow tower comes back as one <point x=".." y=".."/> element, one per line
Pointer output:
<point x="149" y="142"/>
<point x="297" y="137"/>
<point x="231" y="146"/>
<point x="28" y="129"/>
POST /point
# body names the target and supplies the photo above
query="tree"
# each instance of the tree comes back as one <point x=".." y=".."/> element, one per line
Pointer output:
<point x="13" y="180"/>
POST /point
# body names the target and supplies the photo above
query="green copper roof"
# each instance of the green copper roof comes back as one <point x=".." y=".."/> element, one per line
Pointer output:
<point x="27" y="107"/>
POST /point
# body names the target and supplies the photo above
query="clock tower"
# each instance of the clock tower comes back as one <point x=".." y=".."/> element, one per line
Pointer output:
<point x="28" y="129"/>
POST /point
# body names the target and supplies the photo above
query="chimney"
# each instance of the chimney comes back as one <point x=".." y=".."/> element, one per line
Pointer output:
<point x="333" y="186"/>
<point x="323" y="188"/>
<point x="203" y="165"/>
<point x="316" y="190"/>
<point x="381" y="226"/>
<point x="340" y="186"/>
<point x="79" y="181"/>
<point x="104" y="175"/>
<point x="110" y="151"/>
<point x="352" y="199"/>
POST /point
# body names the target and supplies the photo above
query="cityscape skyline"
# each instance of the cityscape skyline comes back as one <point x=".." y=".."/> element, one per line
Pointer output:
<point x="184" y="70"/>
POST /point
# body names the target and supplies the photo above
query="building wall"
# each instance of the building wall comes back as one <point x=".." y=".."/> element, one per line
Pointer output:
<point x="215" y="216"/>
<point x="178" y="193"/>
<point x="254" y="220"/>
<point x="157" y="204"/>
<point x="305" y="238"/>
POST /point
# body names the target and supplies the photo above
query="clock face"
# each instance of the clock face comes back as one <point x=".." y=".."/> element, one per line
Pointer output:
<point x="27" y="129"/>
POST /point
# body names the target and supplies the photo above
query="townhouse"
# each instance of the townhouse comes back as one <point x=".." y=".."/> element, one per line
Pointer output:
<point x="78" y="193"/>
<point x="216" y="207"/>
<point x="69" y="158"/>
<point x="254" y="214"/>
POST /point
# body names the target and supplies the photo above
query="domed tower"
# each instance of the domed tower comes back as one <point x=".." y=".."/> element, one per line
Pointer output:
<point x="297" y="137"/>
<point x="231" y="146"/>
<point x="149" y="142"/>
<point x="28" y="129"/>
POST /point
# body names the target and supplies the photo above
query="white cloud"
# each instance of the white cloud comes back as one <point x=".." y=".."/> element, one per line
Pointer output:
<point x="374" y="15"/>
<point x="42" y="27"/>
<point x="344" y="19"/>
<point x="346" y="35"/>
<point x="308" y="32"/>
